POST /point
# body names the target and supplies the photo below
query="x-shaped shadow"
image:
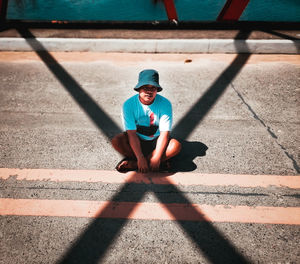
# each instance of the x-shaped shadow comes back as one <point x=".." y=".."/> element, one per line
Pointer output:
<point x="92" y="245"/>
<point x="101" y="233"/>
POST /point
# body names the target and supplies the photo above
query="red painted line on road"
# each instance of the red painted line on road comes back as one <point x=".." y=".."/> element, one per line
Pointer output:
<point x="150" y="211"/>
<point x="232" y="10"/>
<point x="185" y="179"/>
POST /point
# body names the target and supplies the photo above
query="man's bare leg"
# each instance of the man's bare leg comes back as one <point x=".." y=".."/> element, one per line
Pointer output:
<point x="121" y="144"/>
<point x="173" y="149"/>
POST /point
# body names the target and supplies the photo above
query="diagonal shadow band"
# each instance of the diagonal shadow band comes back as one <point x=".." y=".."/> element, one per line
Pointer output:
<point x="279" y="34"/>
<point x="92" y="245"/>
<point x="87" y="104"/>
<point x="211" y="242"/>
<point x="284" y="36"/>
<point x="200" y="109"/>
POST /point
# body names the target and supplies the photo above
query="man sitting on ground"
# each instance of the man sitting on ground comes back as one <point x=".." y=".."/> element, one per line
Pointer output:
<point x="147" y="119"/>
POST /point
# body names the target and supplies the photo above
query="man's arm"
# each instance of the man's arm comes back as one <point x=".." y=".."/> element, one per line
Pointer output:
<point x="136" y="147"/>
<point x="161" y="145"/>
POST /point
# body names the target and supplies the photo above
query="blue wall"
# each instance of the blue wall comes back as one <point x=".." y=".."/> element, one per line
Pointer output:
<point x="272" y="10"/>
<point x="146" y="10"/>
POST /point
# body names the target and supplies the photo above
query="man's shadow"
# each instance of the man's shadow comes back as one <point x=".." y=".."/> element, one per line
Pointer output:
<point x="184" y="161"/>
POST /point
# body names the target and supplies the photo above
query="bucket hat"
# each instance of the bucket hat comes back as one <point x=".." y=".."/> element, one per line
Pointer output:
<point x="148" y="77"/>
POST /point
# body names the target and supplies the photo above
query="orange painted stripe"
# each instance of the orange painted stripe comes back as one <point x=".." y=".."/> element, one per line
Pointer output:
<point x="121" y="59"/>
<point x="181" y="178"/>
<point x="150" y="211"/>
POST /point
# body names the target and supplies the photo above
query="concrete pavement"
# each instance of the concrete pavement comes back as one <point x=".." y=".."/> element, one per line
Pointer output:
<point x="243" y="108"/>
<point x="155" y="46"/>
<point x="247" y="40"/>
<point x="77" y="216"/>
<point x="236" y="115"/>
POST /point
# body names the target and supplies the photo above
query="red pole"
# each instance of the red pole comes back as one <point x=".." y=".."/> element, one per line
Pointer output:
<point x="3" y="8"/>
<point x="232" y="10"/>
<point x="171" y="9"/>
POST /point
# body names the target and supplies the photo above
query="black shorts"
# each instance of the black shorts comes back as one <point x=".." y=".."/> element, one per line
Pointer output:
<point x="147" y="146"/>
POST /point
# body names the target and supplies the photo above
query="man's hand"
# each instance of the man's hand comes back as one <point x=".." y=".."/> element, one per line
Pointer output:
<point x="154" y="163"/>
<point x="134" y="142"/>
<point x="142" y="165"/>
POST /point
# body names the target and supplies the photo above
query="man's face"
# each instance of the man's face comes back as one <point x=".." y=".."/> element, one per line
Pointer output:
<point x="147" y="94"/>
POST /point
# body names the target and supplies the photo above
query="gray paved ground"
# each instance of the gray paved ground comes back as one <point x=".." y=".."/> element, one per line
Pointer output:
<point x="235" y="114"/>
<point x="246" y="114"/>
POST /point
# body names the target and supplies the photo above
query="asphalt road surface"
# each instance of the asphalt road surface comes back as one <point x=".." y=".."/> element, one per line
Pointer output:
<point x="233" y="195"/>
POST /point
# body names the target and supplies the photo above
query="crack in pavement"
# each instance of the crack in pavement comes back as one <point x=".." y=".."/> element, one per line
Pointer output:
<point x="273" y="135"/>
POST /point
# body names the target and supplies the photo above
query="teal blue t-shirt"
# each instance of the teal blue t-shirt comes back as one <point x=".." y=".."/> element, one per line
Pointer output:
<point x="147" y="120"/>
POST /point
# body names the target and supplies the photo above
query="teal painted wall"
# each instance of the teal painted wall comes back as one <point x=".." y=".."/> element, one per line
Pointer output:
<point x="272" y="10"/>
<point x="146" y="10"/>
